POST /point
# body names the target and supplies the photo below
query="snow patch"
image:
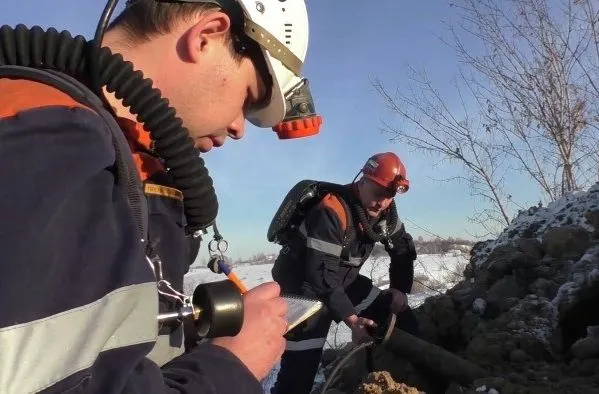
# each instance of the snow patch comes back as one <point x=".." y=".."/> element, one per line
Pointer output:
<point x="535" y="317"/>
<point x="567" y="210"/>
<point x="478" y="306"/>
<point x="437" y="268"/>
<point x="583" y="274"/>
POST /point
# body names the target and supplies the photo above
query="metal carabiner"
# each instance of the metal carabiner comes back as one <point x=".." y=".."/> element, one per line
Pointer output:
<point x="221" y="246"/>
<point x="217" y="243"/>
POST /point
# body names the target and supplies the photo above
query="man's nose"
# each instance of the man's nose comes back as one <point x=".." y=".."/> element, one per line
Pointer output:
<point x="236" y="129"/>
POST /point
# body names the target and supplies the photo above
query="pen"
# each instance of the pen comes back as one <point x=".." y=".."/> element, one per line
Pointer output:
<point x="226" y="269"/>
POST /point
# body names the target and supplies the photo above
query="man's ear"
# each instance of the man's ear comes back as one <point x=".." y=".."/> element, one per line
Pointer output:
<point x="210" y="29"/>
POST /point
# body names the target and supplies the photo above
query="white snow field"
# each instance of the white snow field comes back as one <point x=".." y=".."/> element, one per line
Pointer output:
<point x="438" y="272"/>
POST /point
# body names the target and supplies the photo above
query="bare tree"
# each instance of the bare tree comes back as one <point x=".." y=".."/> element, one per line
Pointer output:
<point x="527" y="92"/>
<point x="531" y="79"/>
<point x="434" y="128"/>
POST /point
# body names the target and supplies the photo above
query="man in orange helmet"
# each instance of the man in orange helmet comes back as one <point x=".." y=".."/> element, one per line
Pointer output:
<point x="323" y="252"/>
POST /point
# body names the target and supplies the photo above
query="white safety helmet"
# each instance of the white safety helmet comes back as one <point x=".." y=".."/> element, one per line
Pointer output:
<point x="280" y="28"/>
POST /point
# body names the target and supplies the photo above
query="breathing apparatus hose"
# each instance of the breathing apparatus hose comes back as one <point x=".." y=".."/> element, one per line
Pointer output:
<point x="376" y="237"/>
<point x="99" y="67"/>
<point x="358" y="211"/>
<point x="342" y="362"/>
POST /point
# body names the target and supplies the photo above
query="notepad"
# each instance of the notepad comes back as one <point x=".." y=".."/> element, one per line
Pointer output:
<point x="299" y="309"/>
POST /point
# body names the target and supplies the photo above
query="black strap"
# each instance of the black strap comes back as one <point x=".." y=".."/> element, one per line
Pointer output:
<point x="348" y="200"/>
<point x="350" y="231"/>
<point x="127" y="177"/>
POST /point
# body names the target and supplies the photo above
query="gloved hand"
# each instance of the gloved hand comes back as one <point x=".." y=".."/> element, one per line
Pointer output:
<point x="399" y="301"/>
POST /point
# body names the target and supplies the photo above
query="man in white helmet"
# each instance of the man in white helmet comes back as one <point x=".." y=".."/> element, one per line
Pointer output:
<point x="89" y="324"/>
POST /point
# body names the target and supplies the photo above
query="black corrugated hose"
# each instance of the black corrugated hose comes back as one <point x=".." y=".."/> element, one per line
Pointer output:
<point x="98" y="67"/>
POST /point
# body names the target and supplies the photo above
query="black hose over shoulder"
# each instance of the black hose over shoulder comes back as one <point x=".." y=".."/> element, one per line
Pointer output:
<point x="77" y="57"/>
<point x="358" y="211"/>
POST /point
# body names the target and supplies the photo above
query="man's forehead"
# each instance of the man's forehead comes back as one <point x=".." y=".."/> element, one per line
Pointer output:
<point x="379" y="188"/>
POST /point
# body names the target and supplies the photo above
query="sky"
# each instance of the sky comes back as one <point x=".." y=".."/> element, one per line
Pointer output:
<point x="350" y="44"/>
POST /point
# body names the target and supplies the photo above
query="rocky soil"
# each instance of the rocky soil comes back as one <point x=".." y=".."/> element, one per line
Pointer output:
<point x="527" y="312"/>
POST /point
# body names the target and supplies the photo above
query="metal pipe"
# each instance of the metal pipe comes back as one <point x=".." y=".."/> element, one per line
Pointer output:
<point x="421" y="352"/>
<point x="185" y="311"/>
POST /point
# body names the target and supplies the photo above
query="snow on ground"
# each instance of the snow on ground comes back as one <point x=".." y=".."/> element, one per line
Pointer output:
<point x="441" y="270"/>
<point x="435" y="267"/>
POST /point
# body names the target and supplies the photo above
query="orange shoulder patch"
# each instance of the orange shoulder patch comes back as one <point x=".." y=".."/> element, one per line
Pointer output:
<point x="332" y="202"/>
<point x="20" y="95"/>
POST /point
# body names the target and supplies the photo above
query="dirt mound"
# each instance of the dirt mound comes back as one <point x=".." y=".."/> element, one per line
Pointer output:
<point x="526" y="310"/>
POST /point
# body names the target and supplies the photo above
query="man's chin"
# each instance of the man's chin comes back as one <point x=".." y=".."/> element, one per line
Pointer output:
<point x="203" y="145"/>
<point x="372" y="213"/>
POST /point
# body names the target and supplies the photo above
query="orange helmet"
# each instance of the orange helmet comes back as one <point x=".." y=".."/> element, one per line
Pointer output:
<point x="387" y="170"/>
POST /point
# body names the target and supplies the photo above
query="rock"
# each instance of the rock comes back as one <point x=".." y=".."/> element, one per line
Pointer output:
<point x="455" y="388"/>
<point x="510" y="302"/>
<point x="468" y="325"/>
<point x="485" y="349"/>
<point x="531" y="247"/>
<point x="478" y="247"/>
<point x="502" y="290"/>
<point x="545" y="271"/>
<point x="576" y="299"/>
<point x="383" y="383"/>
<point x="478" y="306"/>
<point x="574" y="364"/>
<point x="543" y="288"/>
<point x="588" y="366"/>
<point x="518" y="355"/>
<point x="501" y="262"/>
<point x="469" y="271"/>
<point x="566" y="242"/>
<point x="445" y="317"/>
<point x="506" y="260"/>
<point x="592" y="218"/>
<point x="463" y="294"/>
<point x="537" y="390"/>
<point x="509" y="346"/>
<point x="553" y="373"/>
<point x="428" y="329"/>
<point x="587" y="347"/>
<point x="593" y="331"/>
<point x="491" y="383"/>
<point x="529" y="324"/>
<point x="511" y="388"/>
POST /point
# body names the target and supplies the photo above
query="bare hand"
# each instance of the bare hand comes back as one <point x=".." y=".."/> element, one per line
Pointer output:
<point x="399" y="301"/>
<point x="260" y="343"/>
<point x="359" y="332"/>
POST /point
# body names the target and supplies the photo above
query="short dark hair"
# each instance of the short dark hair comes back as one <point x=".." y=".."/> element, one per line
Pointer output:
<point x="142" y="19"/>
